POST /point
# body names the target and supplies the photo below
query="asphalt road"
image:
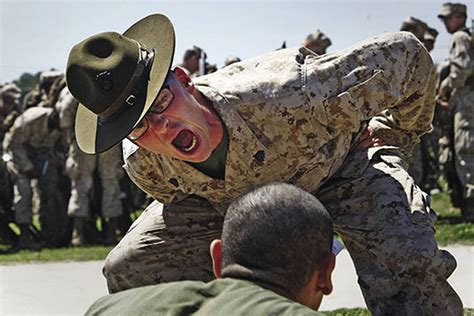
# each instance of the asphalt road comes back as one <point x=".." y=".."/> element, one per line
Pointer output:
<point x="70" y="288"/>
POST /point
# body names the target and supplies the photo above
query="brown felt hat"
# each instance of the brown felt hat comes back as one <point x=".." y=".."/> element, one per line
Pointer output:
<point x="116" y="77"/>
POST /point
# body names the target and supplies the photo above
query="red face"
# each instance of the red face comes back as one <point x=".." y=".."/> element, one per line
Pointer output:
<point x="179" y="126"/>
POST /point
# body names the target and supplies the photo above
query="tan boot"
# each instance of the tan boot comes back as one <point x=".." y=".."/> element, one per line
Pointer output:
<point x="111" y="231"/>
<point x="78" y="232"/>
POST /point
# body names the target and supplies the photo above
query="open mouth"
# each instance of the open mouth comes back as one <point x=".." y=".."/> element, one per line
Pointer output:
<point x="185" y="141"/>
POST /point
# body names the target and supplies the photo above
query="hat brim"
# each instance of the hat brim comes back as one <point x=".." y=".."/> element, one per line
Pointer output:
<point x="95" y="135"/>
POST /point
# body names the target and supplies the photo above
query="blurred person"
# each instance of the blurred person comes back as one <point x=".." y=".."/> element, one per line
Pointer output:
<point x="318" y="42"/>
<point x="274" y="258"/>
<point x="335" y="125"/>
<point x="422" y="162"/>
<point x="80" y="169"/>
<point x="38" y="96"/>
<point x="231" y="60"/>
<point x="46" y="82"/>
<point x="191" y="61"/>
<point x="30" y="145"/>
<point x="458" y="90"/>
<point x="210" y="68"/>
<point x="429" y="38"/>
<point x="415" y="26"/>
<point x="9" y="106"/>
<point x="55" y="91"/>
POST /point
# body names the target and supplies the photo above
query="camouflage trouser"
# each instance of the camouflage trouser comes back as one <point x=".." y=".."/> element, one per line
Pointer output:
<point x="6" y="189"/>
<point x="80" y="168"/>
<point x="22" y="200"/>
<point x="52" y="202"/>
<point x="423" y="165"/>
<point x="387" y="226"/>
<point x="463" y="105"/>
<point x="166" y="243"/>
<point x="383" y="217"/>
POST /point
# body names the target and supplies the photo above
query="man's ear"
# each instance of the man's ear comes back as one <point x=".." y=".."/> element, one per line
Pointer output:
<point x="216" y="254"/>
<point x="184" y="78"/>
<point x="325" y="270"/>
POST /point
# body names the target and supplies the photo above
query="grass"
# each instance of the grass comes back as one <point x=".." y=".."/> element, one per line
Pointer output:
<point x="449" y="230"/>
<point x="10" y="255"/>
<point x="365" y="312"/>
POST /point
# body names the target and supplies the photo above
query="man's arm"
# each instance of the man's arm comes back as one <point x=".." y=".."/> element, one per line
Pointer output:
<point x="460" y="63"/>
<point x="144" y="169"/>
<point x="389" y="80"/>
<point x="14" y="143"/>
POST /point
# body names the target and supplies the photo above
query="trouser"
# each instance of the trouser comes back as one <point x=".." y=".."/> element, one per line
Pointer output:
<point x="80" y="168"/>
<point x="463" y="104"/>
<point x="383" y="217"/>
<point x="52" y="204"/>
<point x="387" y="226"/>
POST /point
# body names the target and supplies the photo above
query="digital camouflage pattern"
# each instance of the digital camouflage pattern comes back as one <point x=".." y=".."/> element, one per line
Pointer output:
<point x="317" y="105"/>
<point x="30" y="144"/>
<point x="295" y="117"/>
<point x="80" y="167"/>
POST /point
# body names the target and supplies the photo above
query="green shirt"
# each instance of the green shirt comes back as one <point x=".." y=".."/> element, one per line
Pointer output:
<point x="224" y="296"/>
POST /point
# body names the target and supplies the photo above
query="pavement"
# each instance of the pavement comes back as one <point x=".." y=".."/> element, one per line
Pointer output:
<point x="70" y="288"/>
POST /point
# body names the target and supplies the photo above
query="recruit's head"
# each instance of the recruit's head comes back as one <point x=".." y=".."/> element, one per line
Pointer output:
<point x="126" y="90"/>
<point x="453" y="16"/>
<point x="318" y="42"/>
<point x="414" y="26"/>
<point x="280" y="237"/>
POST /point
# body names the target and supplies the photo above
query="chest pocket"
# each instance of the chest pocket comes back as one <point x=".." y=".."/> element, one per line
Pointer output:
<point x="357" y="103"/>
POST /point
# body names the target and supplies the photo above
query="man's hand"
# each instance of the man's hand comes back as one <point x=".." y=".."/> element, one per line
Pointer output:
<point x="369" y="139"/>
<point x="443" y="91"/>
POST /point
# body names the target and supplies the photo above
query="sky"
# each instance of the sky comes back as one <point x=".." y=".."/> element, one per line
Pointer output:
<point x="38" y="35"/>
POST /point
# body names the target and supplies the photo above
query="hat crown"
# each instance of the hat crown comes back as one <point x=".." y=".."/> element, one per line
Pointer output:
<point x="100" y="67"/>
<point x="452" y="8"/>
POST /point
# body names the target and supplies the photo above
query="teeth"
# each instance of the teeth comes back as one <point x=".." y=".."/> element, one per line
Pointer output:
<point x="191" y="147"/>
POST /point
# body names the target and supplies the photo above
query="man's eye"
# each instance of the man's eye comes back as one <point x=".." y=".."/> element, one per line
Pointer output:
<point x="164" y="100"/>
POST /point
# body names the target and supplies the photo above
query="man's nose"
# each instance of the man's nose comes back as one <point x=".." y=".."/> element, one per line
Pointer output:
<point x="159" y="123"/>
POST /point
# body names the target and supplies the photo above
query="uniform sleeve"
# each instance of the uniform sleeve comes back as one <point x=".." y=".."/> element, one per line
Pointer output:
<point x="389" y="80"/>
<point x="14" y="143"/>
<point x="67" y="107"/>
<point x="145" y="172"/>
<point x="461" y="62"/>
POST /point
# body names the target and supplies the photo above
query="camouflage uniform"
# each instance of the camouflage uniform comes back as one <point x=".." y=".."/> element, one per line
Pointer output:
<point x="30" y="143"/>
<point x="80" y="167"/>
<point x="9" y="96"/>
<point x="422" y="164"/>
<point x="295" y="117"/>
<point x="460" y="83"/>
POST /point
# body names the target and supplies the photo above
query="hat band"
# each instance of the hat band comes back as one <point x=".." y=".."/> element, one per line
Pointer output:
<point x="131" y="91"/>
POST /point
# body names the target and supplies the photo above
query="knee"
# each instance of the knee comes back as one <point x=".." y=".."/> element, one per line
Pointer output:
<point x="116" y="267"/>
